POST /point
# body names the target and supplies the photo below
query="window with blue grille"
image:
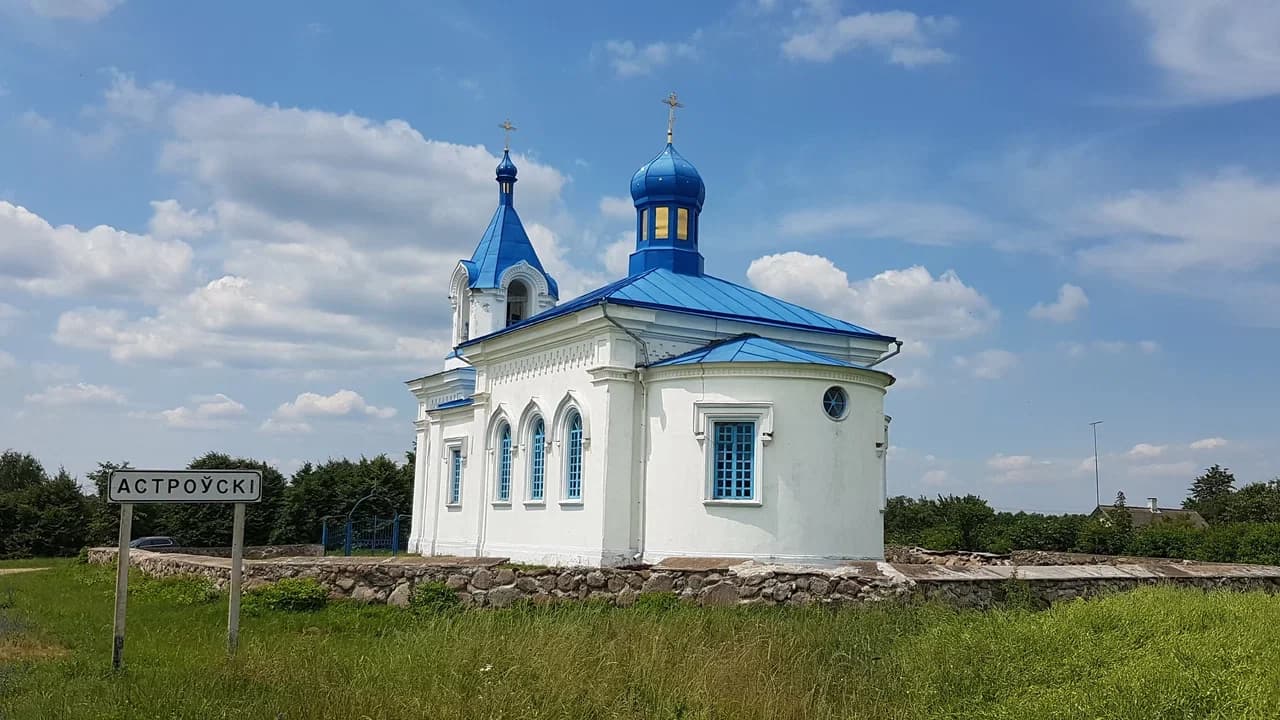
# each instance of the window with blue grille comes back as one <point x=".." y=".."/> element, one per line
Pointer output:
<point x="573" y="459"/>
<point x="835" y="403"/>
<point x="537" y="460"/>
<point x="455" y="476"/>
<point x="504" y="464"/>
<point x="734" y="462"/>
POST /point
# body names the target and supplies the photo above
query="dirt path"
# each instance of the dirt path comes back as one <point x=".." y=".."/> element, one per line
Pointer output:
<point x="15" y="571"/>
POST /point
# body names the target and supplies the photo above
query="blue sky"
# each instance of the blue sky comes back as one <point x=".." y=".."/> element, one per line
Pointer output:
<point x="230" y="226"/>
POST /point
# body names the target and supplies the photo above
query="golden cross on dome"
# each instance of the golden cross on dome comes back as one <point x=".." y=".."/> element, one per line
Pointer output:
<point x="671" y="102"/>
<point x="508" y="127"/>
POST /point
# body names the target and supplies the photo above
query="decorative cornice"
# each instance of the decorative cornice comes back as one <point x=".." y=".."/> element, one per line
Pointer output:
<point x="870" y="378"/>
<point x="558" y="359"/>
<point x="611" y="374"/>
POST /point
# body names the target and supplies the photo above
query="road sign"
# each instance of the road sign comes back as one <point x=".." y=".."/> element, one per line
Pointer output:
<point x="130" y="487"/>
<point x="185" y="486"/>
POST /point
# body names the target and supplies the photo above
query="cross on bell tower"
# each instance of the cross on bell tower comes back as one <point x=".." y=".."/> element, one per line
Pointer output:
<point x="672" y="103"/>
<point x="507" y="128"/>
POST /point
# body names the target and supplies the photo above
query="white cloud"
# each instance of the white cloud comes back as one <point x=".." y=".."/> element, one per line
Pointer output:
<point x="617" y="208"/>
<point x="142" y="104"/>
<point x="913" y="222"/>
<point x="617" y="255"/>
<point x="327" y="238"/>
<point x="76" y="395"/>
<point x="911" y="380"/>
<point x="339" y="404"/>
<point x="909" y="303"/>
<point x="35" y="122"/>
<point x="990" y="364"/>
<point x="169" y="220"/>
<point x="208" y="412"/>
<point x="629" y="60"/>
<point x="903" y="38"/>
<point x="1020" y="469"/>
<point x="1071" y="300"/>
<point x="1214" y="51"/>
<point x="285" y="427"/>
<point x="1212" y="443"/>
<point x="1005" y="463"/>
<point x="85" y="10"/>
<point x="233" y="321"/>
<point x="1226" y="222"/>
<point x="46" y="260"/>
<point x="7" y="361"/>
<point x="1146" y="450"/>
<point x="934" y="478"/>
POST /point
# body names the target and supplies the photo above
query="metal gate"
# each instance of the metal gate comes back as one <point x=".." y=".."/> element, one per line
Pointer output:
<point x="377" y="533"/>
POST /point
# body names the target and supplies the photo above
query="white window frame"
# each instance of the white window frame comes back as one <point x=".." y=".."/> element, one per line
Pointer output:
<point x="450" y="446"/>
<point x="546" y="461"/>
<point x="705" y="417"/>
<point x="564" y="457"/>
<point x="496" y="454"/>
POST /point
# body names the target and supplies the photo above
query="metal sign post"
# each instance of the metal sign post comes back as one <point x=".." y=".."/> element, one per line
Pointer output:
<point x="129" y="487"/>
<point x="122" y="585"/>
<point x="237" y="559"/>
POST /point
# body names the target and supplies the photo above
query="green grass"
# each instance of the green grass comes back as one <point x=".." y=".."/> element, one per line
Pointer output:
<point x="1156" y="653"/>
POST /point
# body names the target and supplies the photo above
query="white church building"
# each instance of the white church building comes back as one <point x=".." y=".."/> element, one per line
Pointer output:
<point x="670" y="413"/>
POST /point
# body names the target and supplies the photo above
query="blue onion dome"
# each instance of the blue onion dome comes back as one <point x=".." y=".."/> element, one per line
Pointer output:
<point x="506" y="169"/>
<point x="668" y="177"/>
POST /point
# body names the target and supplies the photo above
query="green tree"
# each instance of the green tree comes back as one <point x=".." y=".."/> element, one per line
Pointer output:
<point x="1255" y="502"/>
<point x="333" y="488"/>
<point x="39" y="515"/>
<point x="1210" y="492"/>
<point x="210" y="525"/>
<point x="103" y="518"/>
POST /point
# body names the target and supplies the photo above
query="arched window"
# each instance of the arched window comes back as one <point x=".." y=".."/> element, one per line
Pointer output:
<point x="573" y="457"/>
<point x="538" y="460"/>
<point x="504" y="463"/>
<point x="517" y="302"/>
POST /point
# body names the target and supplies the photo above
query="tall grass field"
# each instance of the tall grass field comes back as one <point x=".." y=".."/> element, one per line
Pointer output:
<point x="1154" y="653"/>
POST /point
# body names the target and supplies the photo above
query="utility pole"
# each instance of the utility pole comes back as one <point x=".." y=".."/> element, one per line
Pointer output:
<point x="1097" y="478"/>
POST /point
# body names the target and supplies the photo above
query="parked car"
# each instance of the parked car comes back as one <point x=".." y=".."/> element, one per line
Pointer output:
<point x="153" y="541"/>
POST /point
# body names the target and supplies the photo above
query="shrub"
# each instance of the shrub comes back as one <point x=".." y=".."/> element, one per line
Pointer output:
<point x="657" y="601"/>
<point x="433" y="598"/>
<point x="289" y="595"/>
<point x="182" y="590"/>
<point x="1166" y="540"/>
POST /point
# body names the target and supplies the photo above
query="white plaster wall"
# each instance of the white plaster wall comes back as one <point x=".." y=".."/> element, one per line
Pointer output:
<point x="820" y="482"/>
<point x="449" y="530"/>
<point x="588" y="373"/>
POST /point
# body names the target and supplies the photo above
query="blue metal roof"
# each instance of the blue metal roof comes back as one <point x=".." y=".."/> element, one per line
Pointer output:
<point x="504" y="243"/>
<point x="668" y="177"/>
<point x="454" y="403"/>
<point x="751" y="348"/>
<point x="701" y="295"/>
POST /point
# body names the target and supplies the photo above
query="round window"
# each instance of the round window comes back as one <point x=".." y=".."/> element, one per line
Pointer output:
<point x="835" y="403"/>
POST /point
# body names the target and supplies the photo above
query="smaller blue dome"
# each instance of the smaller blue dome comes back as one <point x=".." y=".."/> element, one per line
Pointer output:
<point x="668" y="177"/>
<point x="506" y="169"/>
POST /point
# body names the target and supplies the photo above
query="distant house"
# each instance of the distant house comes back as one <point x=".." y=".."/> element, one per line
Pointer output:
<point x="1152" y="513"/>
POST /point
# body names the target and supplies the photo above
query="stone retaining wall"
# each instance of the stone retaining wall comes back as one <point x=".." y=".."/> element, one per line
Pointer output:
<point x="251" y="552"/>
<point x="490" y="582"/>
